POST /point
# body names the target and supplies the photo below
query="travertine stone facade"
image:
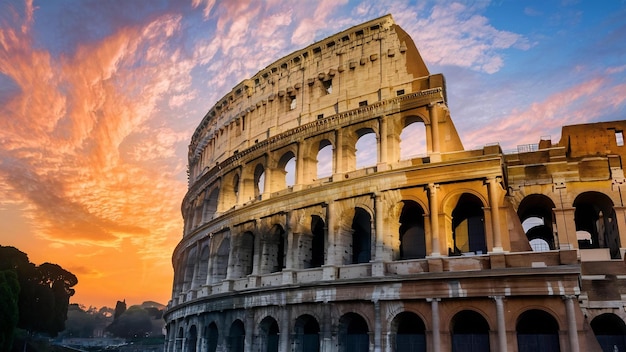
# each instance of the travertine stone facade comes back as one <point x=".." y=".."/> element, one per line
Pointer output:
<point x="291" y="244"/>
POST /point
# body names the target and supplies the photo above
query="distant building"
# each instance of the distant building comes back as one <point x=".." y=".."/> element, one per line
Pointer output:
<point x="462" y="250"/>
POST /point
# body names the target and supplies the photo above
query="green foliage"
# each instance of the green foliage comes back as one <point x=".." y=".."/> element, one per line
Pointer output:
<point x="9" y="314"/>
<point x="44" y="293"/>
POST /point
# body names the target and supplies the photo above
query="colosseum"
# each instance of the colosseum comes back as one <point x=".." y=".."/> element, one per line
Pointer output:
<point x="331" y="206"/>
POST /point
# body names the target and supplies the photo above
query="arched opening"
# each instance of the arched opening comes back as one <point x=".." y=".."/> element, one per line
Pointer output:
<point x="192" y="340"/>
<point x="212" y="336"/>
<point x="236" y="181"/>
<point x="412" y="235"/>
<point x="273" y="256"/>
<point x="236" y="336"/>
<point x="306" y="331"/>
<point x="470" y="332"/>
<point x="468" y="224"/>
<point x="244" y="255"/>
<point x="610" y="331"/>
<point x="410" y="333"/>
<point x="595" y="214"/>
<point x="203" y="266"/>
<point x="210" y="204"/>
<point x="536" y="215"/>
<point x="317" y="242"/>
<point x="269" y="335"/>
<point x="537" y="331"/>
<point x="366" y="149"/>
<point x="361" y="236"/>
<point x="198" y="210"/>
<point x="325" y="159"/>
<point x="220" y="262"/>
<point x="189" y="268"/>
<point x="287" y="165"/>
<point x="259" y="181"/>
<point x="413" y="140"/>
<point x="353" y="333"/>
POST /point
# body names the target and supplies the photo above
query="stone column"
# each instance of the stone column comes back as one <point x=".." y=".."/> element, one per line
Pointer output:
<point x="620" y="215"/>
<point x="495" y="214"/>
<point x="267" y="183"/>
<point x="326" y="343"/>
<point x="434" y="307"/>
<point x="300" y="165"/>
<point x="433" y="109"/>
<point x="338" y="154"/>
<point x="249" y="331"/>
<point x="283" y="342"/>
<point x="434" y="220"/>
<point x="382" y="145"/>
<point x="377" y="327"/>
<point x="572" y="331"/>
<point x="502" y="343"/>
<point x="379" y="215"/>
<point x="566" y="227"/>
<point x="332" y="259"/>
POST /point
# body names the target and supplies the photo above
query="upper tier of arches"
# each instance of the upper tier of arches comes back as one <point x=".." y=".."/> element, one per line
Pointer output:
<point x="365" y="64"/>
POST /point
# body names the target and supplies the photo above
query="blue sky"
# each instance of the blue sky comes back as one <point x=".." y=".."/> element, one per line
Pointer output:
<point x="98" y="101"/>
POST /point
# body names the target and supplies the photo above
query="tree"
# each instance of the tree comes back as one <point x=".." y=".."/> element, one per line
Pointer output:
<point x="44" y="293"/>
<point x="134" y="322"/>
<point x="9" y="313"/>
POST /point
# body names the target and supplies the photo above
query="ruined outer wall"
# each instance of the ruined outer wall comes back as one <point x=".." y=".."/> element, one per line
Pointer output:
<point x="366" y="63"/>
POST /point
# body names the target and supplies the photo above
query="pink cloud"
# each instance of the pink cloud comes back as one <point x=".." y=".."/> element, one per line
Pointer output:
<point x="587" y="101"/>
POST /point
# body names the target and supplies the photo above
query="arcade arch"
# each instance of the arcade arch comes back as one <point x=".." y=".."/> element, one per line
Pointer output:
<point x="306" y="334"/>
<point x="353" y="333"/>
<point x="212" y="335"/>
<point x="268" y="335"/>
<point x="537" y="218"/>
<point x="409" y="333"/>
<point x="236" y="336"/>
<point x="468" y="226"/>
<point x="366" y="153"/>
<point x="324" y="163"/>
<point x="470" y="332"/>
<point x="595" y="214"/>
<point x="412" y="233"/>
<point x="610" y="332"/>
<point x="537" y="331"/>
<point x="413" y="138"/>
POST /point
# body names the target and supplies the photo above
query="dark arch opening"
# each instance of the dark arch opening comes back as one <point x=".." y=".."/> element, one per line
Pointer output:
<point x="353" y="333"/>
<point x="259" y="181"/>
<point x="220" y="263"/>
<point x="537" y="331"/>
<point x="317" y="242"/>
<point x="470" y="332"/>
<point x="412" y="235"/>
<point x="307" y="332"/>
<point x="192" y="341"/>
<point x="269" y="334"/>
<point x="610" y="332"/>
<point x="536" y="215"/>
<point x="212" y="336"/>
<point x="468" y="223"/>
<point x="595" y="215"/>
<point x="410" y="332"/>
<point x="236" y="336"/>
<point x="361" y="237"/>
<point x="273" y="256"/>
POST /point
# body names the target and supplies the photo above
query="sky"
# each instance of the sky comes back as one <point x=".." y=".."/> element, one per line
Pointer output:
<point x="99" y="99"/>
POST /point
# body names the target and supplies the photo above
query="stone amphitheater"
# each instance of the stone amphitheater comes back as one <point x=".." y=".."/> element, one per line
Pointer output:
<point x="332" y="207"/>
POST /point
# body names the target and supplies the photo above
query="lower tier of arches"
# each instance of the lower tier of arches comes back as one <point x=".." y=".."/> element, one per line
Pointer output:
<point x="496" y="323"/>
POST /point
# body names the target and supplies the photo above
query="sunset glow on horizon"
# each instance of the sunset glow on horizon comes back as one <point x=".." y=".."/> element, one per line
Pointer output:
<point x="99" y="99"/>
